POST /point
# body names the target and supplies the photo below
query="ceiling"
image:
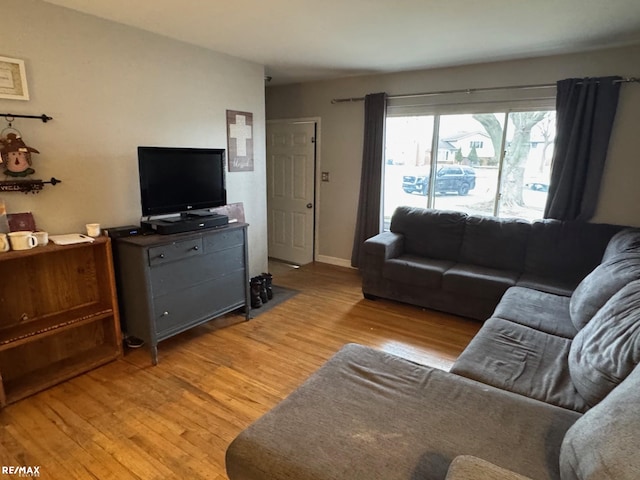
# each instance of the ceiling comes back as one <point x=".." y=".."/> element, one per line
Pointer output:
<point x="301" y="40"/>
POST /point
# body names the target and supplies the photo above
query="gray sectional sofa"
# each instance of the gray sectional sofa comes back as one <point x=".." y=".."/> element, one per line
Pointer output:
<point x="463" y="264"/>
<point x="548" y="388"/>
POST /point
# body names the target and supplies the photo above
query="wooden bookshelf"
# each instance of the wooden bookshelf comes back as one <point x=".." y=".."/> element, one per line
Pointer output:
<point x="58" y="315"/>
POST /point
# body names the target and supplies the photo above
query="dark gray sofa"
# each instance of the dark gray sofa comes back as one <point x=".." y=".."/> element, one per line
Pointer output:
<point x="548" y="389"/>
<point x="463" y="264"/>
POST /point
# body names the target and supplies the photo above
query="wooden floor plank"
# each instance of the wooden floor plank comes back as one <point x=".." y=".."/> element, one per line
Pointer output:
<point x="132" y="420"/>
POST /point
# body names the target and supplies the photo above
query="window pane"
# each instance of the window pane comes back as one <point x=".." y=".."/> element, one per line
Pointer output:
<point x="407" y="162"/>
<point x="467" y="164"/>
<point x="467" y="171"/>
<point x="527" y="164"/>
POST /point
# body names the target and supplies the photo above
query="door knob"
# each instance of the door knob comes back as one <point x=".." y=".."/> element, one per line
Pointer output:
<point x="309" y="205"/>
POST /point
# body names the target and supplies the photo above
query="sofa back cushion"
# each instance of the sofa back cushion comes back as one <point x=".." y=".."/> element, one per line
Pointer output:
<point x="603" y="443"/>
<point x="601" y="284"/>
<point x="604" y="352"/>
<point x="623" y="242"/>
<point x="566" y="251"/>
<point x="495" y="242"/>
<point x="430" y="233"/>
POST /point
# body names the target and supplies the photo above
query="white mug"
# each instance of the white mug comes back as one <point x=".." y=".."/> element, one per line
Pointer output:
<point x="42" y="237"/>
<point x="4" y="243"/>
<point x="93" y="229"/>
<point x="22" y="240"/>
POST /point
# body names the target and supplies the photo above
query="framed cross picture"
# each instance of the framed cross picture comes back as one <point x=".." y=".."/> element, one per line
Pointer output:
<point x="240" y="141"/>
<point x="13" y="79"/>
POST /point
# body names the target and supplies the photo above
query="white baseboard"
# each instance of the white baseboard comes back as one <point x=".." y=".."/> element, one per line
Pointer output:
<point x="340" y="262"/>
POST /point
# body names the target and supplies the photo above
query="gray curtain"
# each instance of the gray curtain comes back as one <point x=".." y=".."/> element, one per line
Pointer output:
<point x="585" y="110"/>
<point x="368" y="221"/>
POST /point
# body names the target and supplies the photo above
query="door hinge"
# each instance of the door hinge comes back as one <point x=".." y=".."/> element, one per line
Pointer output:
<point x="313" y="139"/>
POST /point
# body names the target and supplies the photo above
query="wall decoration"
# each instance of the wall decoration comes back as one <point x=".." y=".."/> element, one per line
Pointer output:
<point x="240" y="141"/>
<point x="13" y="79"/>
<point x="16" y="156"/>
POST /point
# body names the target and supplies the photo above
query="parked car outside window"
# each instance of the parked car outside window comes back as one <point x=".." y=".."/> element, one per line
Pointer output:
<point x="453" y="178"/>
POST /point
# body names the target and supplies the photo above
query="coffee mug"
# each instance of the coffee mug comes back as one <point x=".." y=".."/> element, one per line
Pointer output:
<point x="22" y="240"/>
<point x="42" y="237"/>
<point x="4" y="243"/>
<point x="93" y="229"/>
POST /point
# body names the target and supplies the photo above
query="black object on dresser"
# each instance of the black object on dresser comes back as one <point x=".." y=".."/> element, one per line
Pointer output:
<point x="185" y="224"/>
<point x="170" y="283"/>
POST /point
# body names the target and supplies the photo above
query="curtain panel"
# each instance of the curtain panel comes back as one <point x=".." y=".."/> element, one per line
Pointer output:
<point x="370" y="201"/>
<point x="585" y="111"/>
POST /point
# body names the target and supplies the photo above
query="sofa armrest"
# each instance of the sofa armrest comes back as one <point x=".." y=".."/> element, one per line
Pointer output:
<point x="467" y="467"/>
<point x="385" y="245"/>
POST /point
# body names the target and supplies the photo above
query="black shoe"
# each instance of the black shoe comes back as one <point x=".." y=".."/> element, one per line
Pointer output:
<point x="264" y="296"/>
<point x="256" y="288"/>
<point x="267" y="279"/>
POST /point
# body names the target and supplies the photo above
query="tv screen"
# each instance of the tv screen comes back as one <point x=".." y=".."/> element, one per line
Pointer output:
<point x="177" y="180"/>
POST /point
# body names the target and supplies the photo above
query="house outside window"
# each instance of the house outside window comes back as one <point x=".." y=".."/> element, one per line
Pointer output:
<point x="454" y="162"/>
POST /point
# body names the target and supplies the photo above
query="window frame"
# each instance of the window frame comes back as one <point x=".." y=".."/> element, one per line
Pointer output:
<point x="511" y="102"/>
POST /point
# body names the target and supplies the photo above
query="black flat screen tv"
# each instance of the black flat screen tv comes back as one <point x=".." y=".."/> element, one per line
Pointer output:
<point x="180" y="180"/>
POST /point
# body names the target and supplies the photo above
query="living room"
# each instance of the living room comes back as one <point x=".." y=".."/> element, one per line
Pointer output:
<point x="111" y="88"/>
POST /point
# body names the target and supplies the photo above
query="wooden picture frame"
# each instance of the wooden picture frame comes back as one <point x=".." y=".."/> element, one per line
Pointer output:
<point x="13" y="79"/>
<point x="240" y="141"/>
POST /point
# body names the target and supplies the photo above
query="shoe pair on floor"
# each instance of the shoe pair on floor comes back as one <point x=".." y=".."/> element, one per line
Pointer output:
<point x="261" y="289"/>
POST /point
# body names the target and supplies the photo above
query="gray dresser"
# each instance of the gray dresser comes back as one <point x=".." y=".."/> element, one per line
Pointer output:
<point x="170" y="283"/>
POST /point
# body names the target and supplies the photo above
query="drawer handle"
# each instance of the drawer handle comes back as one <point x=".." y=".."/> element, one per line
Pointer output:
<point x="165" y="314"/>
<point x="161" y="255"/>
<point x="195" y="247"/>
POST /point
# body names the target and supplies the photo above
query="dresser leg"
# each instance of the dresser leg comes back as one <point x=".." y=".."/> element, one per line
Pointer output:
<point x="154" y="354"/>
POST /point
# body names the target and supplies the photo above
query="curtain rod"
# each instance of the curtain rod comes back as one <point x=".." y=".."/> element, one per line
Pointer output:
<point x="472" y="90"/>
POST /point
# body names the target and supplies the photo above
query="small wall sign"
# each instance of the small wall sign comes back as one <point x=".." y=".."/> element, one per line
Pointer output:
<point x="240" y="141"/>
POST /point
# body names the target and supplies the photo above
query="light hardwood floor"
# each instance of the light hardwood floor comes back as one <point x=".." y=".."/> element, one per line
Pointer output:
<point x="131" y="420"/>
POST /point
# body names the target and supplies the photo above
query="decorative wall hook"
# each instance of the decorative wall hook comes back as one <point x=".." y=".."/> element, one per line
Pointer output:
<point x="43" y="117"/>
<point x="26" y="186"/>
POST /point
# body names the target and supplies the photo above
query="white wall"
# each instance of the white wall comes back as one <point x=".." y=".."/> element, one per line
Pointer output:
<point x="111" y="88"/>
<point x="342" y="128"/>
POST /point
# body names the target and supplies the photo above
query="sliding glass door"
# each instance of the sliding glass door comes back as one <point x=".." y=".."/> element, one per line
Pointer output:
<point x="475" y="165"/>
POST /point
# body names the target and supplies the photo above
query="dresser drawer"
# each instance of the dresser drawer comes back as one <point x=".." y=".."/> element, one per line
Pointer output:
<point x="180" y="310"/>
<point x="223" y="240"/>
<point x="171" y="252"/>
<point x="170" y="277"/>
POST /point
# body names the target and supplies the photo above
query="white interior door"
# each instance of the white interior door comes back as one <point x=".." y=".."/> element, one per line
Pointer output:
<point x="290" y="190"/>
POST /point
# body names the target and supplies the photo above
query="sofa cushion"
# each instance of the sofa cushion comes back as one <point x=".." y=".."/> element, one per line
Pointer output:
<point x="416" y="270"/>
<point x="566" y="251"/>
<point x="625" y="241"/>
<point x="477" y="281"/>
<point x="430" y="233"/>
<point x="495" y="242"/>
<point x="605" y="351"/>
<point x="603" y="444"/>
<point x="601" y="284"/>
<point x="366" y="414"/>
<point x="522" y="360"/>
<point x="546" y="284"/>
<point x="543" y="311"/>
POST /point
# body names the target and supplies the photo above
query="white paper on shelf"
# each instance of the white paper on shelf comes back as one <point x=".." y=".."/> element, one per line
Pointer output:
<point x="70" y="239"/>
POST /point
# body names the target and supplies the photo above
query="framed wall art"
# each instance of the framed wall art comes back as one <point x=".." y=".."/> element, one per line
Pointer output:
<point x="13" y="79"/>
<point x="240" y="141"/>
